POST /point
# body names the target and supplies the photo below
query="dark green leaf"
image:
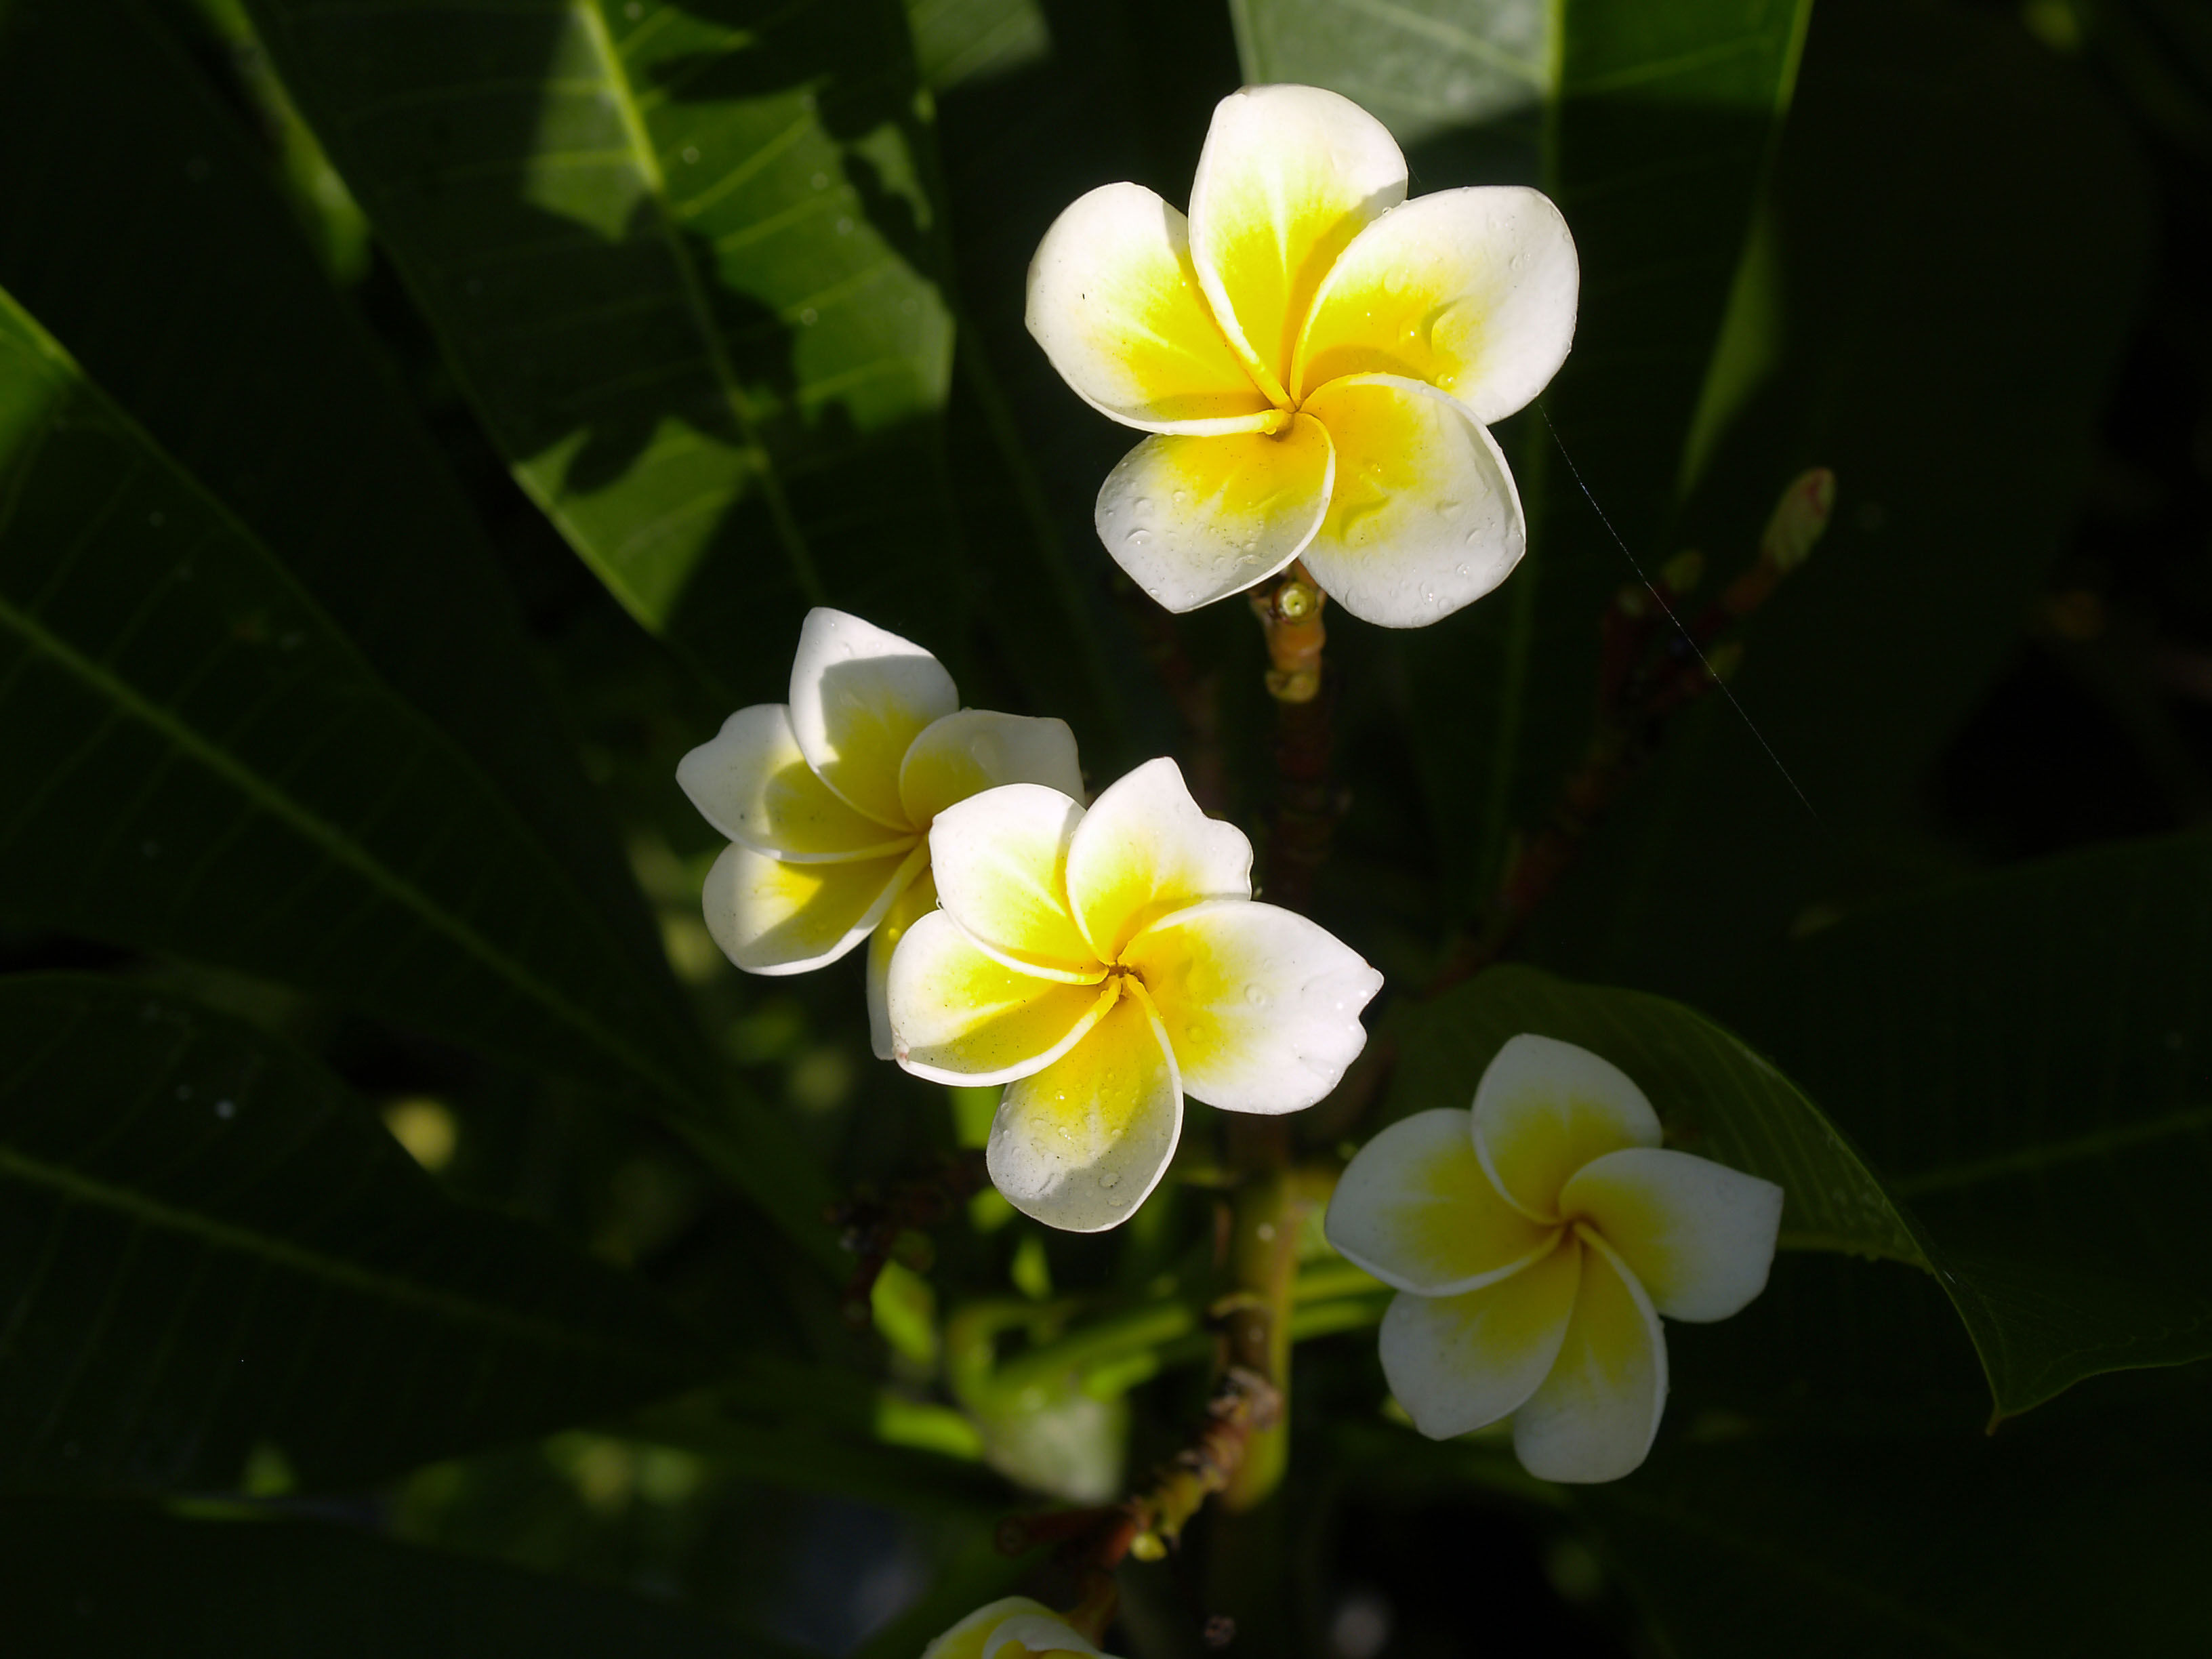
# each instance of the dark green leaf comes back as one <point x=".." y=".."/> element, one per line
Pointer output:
<point x="1651" y="125"/>
<point x="146" y="235"/>
<point x="2049" y="1184"/>
<point x="2027" y="1059"/>
<point x="685" y="262"/>
<point x="1945" y="187"/>
<point x="101" y="1579"/>
<point x="2087" y="1538"/>
<point x="1715" y="1096"/>
<point x="210" y="1247"/>
<point x="219" y="772"/>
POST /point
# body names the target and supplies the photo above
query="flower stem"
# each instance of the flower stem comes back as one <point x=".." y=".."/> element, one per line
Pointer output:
<point x="1290" y="609"/>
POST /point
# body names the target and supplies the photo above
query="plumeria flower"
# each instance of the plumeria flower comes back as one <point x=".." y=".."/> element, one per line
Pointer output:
<point x="1016" y="1628"/>
<point x="1537" y="1240"/>
<point x="1317" y="358"/>
<point x="828" y="799"/>
<point x="1101" y="962"/>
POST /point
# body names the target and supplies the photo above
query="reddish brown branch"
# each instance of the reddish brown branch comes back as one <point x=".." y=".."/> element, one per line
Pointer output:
<point x="892" y="1224"/>
<point x="1290" y="609"/>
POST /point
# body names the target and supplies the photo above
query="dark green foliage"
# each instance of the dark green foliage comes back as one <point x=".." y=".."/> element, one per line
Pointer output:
<point x="421" y="420"/>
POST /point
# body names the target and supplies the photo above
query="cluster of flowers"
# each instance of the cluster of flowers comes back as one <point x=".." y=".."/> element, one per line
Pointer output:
<point x="1316" y="360"/>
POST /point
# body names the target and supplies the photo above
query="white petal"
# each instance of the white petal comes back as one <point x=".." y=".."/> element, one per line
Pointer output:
<point x="751" y="783"/>
<point x="1114" y="302"/>
<point x="966" y="1640"/>
<point x="1474" y="291"/>
<point x="1594" y="1417"/>
<point x="1145" y="849"/>
<point x="1698" y="1236"/>
<point x="771" y="917"/>
<point x="1288" y="177"/>
<point x="1081" y="1144"/>
<point x="859" y="697"/>
<point x="1261" y="1005"/>
<point x="1001" y="862"/>
<point x="917" y="901"/>
<point x="1195" y="519"/>
<point x="1414" y="1209"/>
<point x="1459" y="1363"/>
<point x="1424" y="516"/>
<point x="959" y="1016"/>
<point x="975" y="750"/>
<point x="1543" y="1109"/>
<point x="1041" y="1634"/>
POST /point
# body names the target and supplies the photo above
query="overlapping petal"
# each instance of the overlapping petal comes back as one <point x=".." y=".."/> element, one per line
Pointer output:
<point x="1145" y="849"/>
<point x="772" y="917"/>
<point x="1415" y="1209"/>
<point x="1014" y="1628"/>
<point x="750" y="781"/>
<point x="1288" y="177"/>
<point x="1457" y="1362"/>
<point x="1474" y="291"/>
<point x="1543" y="1109"/>
<point x="915" y="900"/>
<point x="1424" y="517"/>
<point x="1261" y="1005"/>
<point x="961" y="1016"/>
<point x="1114" y="301"/>
<point x="1037" y="1636"/>
<point x="1598" y="1409"/>
<point x="1698" y="1236"/>
<point x="1001" y="863"/>
<point x="1195" y="520"/>
<point x="859" y="696"/>
<point x="975" y="750"/>
<point x="1080" y="1144"/>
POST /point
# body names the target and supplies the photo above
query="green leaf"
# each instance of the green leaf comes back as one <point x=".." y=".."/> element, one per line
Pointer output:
<point x="212" y="1248"/>
<point x="2048" y="1185"/>
<point x="685" y="266"/>
<point x="2027" y="1058"/>
<point x="1947" y="144"/>
<point x="1716" y="1096"/>
<point x="96" y="1580"/>
<point x="149" y="238"/>
<point x="220" y="774"/>
<point x="1651" y="126"/>
<point x="2085" y="1539"/>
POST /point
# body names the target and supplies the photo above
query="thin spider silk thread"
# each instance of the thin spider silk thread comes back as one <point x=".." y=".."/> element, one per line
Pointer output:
<point x="1688" y="639"/>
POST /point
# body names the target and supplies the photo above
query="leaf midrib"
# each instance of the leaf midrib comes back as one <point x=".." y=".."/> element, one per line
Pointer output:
<point x="313" y="1264"/>
<point x="646" y="160"/>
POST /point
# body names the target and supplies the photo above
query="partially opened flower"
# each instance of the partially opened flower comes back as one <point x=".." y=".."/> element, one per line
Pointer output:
<point x="1015" y="1628"/>
<point x="1537" y="1240"/>
<point x="828" y="799"/>
<point x="1100" y="964"/>
<point x="1318" y="359"/>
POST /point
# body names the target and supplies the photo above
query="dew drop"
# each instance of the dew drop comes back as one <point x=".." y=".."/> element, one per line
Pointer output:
<point x="1110" y="1179"/>
<point x="1465" y="569"/>
<point x="1257" y="995"/>
<point x="809" y="316"/>
<point x="691" y="153"/>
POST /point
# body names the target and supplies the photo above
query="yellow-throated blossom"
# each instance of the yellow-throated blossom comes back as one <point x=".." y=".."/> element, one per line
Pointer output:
<point x="1016" y="1628"/>
<point x="1318" y="358"/>
<point x="1536" y="1241"/>
<point x="1101" y="962"/>
<point x="828" y="799"/>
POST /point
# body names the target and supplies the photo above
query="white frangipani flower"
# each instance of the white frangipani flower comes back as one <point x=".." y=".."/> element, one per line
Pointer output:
<point x="828" y="799"/>
<point x="1100" y="964"/>
<point x="1537" y="1240"/>
<point x="1317" y="358"/>
<point x="1015" y="1628"/>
